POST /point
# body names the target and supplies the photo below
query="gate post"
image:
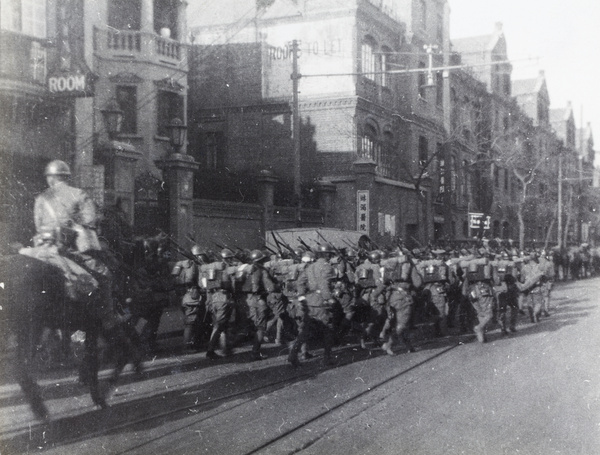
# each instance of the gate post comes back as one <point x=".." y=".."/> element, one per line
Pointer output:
<point x="178" y="171"/>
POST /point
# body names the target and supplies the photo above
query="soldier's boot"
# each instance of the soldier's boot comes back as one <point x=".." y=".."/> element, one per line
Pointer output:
<point x="328" y="340"/>
<point x="387" y="346"/>
<point x="503" y="324"/>
<point x="293" y="355"/>
<point x="479" y="333"/>
<point x="531" y="317"/>
<point x="258" y="337"/>
<point x="406" y="340"/>
<point x="279" y="332"/>
<point x="188" y="338"/>
<point x="304" y="353"/>
<point x="212" y="343"/>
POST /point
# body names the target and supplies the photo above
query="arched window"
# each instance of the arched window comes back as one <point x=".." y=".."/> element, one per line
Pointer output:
<point x="371" y="148"/>
<point x="505" y="230"/>
<point x="387" y="156"/>
<point x="368" y="58"/>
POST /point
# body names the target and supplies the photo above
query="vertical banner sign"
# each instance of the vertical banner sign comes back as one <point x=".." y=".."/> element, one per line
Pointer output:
<point x="362" y="211"/>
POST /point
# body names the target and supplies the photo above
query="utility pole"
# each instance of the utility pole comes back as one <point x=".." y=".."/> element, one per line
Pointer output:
<point x="296" y="133"/>
<point x="559" y="220"/>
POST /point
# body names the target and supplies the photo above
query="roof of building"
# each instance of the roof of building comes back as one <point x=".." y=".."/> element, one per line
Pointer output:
<point x="478" y="44"/>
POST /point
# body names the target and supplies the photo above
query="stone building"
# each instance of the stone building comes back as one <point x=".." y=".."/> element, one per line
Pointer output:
<point x="65" y="63"/>
<point x="370" y="132"/>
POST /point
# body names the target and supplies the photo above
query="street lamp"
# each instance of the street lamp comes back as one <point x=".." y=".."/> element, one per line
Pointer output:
<point x="177" y="132"/>
<point x="113" y="118"/>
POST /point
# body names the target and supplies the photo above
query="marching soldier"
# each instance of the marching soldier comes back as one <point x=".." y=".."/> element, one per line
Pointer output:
<point x="259" y="285"/>
<point x="218" y="280"/>
<point x="315" y="287"/>
<point x="478" y="288"/>
<point x="193" y="301"/>
<point x="532" y="279"/>
<point x="369" y="281"/>
<point x="505" y="288"/>
<point x="402" y="278"/>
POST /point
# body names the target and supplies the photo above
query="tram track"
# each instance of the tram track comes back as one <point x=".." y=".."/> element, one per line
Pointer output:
<point x="302" y="425"/>
<point x="49" y="434"/>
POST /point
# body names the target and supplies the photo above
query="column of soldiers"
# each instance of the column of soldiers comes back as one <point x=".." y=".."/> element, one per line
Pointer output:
<point x="296" y="296"/>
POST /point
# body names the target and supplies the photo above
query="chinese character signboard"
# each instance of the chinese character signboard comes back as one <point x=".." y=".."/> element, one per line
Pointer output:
<point x="475" y="220"/>
<point x="362" y="211"/>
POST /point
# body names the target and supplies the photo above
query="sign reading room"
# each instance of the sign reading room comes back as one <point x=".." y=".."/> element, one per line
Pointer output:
<point x="70" y="84"/>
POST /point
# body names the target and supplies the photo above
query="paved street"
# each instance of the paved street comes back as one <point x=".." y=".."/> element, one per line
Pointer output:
<point x="536" y="392"/>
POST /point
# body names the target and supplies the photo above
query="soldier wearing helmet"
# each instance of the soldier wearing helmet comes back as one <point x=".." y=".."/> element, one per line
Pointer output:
<point x="371" y="298"/>
<point x="67" y="212"/>
<point x="258" y="287"/>
<point x="69" y="215"/>
<point x="193" y="301"/>
<point x="315" y="290"/>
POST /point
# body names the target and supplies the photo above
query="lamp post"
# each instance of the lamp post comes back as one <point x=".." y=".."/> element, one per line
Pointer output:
<point x="113" y="118"/>
<point x="177" y="135"/>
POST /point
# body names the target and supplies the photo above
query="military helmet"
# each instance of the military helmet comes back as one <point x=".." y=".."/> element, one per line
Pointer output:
<point x="351" y="253"/>
<point x="226" y="253"/>
<point x="325" y="248"/>
<point x="57" y="167"/>
<point x="257" y="255"/>
<point x="196" y="250"/>
<point x="308" y="256"/>
<point x="375" y="256"/>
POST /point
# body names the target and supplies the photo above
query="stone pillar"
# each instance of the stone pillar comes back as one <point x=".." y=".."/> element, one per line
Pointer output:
<point x="119" y="160"/>
<point x="178" y="171"/>
<point x="266" y="197"/>
<point x="364" y="170"/>
<point x="326" y="195"/>
<point x="147" y="16"/>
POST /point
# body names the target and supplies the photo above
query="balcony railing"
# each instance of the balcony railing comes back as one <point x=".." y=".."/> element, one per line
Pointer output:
<point x="137" y="45"/>
<point x="24" y="58"/>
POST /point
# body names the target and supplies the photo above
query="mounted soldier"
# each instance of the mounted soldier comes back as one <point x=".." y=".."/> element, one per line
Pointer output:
<point x="66" y="220"/>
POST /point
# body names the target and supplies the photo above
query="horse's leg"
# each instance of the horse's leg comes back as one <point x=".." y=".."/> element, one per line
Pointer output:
<point x="28" y="385"/>
<point x="90" y="366"/>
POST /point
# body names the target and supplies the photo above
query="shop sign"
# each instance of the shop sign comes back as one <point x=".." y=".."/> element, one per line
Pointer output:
<point x="475" y="220"/>
<point x="362" y="211"/>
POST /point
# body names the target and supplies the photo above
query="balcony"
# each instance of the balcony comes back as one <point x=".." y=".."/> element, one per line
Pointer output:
<point x="24" y="63"/>
<point x="137" y="45"/>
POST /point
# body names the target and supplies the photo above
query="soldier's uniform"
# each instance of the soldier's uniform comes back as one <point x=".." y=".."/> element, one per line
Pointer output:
<point x="258" y="286"/>
<point x="401" y="277"/>
<point x="371" y="294"/>
<point x="68" y="214"/>
<point x="435" y="286"/>
<point x="531" y="281"/>
<point x="478" y="288"/>
<point x="217" y="278"/>
<point x="315" y="288"/>
<point x="504" y="272"/>
<point x="193" y="300"/>
<point x="547" y="266"/>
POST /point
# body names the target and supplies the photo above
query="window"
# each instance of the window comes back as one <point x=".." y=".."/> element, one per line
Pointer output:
<point x="125" y="14"/>
<point x="24" y="16"/>
<point x="386" y="166"/>
<point x="423" y="151"/>
<point x="127" y="100"/>
<point x="370" y="146"/>
<point x="384" y="63"/>
<point x="214" y="151"/>
<point x="422" y="81"/>
<point x="423" y="5"/>
<point x="496" y="177"/>
<point x="170" y="106"/>
<point x="368" y="59"/>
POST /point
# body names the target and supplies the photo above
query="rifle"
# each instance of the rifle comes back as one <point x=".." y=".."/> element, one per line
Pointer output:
<point x="303" y="243"/>
<point x="287" y="247"/>
<point x="276" y="241"/>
